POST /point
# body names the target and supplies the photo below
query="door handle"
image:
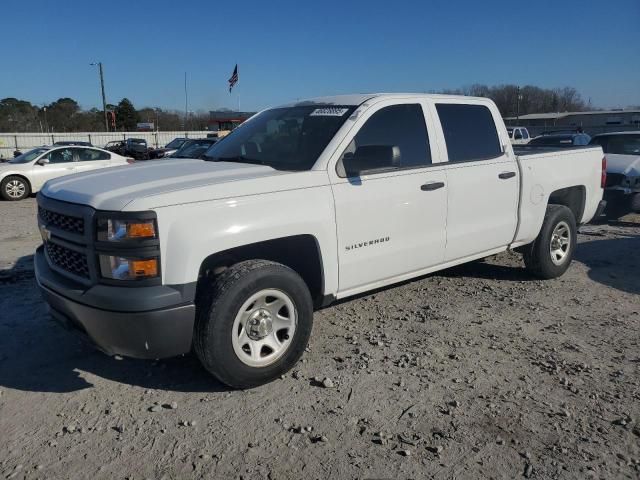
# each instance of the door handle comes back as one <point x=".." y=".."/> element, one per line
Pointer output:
<point x="427" y="187"/>
<point x="505" y="175"/>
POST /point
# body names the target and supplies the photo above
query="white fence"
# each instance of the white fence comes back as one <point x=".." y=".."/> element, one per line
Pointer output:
<point x="10" y="142"/>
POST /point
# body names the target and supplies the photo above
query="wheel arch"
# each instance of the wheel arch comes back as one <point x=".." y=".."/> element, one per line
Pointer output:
<point x="19" y="175"/>
<point x="573" y="197"/>
<point x="301" y="253"/>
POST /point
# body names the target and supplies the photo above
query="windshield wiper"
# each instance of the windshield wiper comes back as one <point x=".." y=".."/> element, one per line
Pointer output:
<point x="239" y="159"/>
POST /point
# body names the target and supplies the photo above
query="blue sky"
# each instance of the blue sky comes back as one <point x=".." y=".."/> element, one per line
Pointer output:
<point x="296" y="49"/>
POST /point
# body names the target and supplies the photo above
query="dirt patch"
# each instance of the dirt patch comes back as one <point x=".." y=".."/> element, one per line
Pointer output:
<point x="475" y="372"/>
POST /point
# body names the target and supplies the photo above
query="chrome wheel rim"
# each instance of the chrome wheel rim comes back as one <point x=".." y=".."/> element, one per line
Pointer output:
<point x="560" y="243"/>
<point x="15" y="188"/>
<point x="264" y="328"/>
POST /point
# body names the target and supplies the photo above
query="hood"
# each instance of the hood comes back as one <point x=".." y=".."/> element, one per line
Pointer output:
<point x="116" y="187"/>
<point x="5" y="166"/>
<point x="624" y="164"/>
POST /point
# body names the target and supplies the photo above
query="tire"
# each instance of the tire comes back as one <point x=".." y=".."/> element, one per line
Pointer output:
<point x="14" y="188"/>
<point x="258" y="352"/>
<point x="559" y="227"/>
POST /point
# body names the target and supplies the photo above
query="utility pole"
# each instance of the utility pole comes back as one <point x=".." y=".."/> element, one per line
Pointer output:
<point x="104" y="101"/>
<point x="518" y="97"/>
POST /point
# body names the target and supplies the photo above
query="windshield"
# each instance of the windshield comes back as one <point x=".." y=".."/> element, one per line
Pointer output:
<point x="193" y="149"/>
<point x="175" y="143"/>
<point x="29" y="156"/>
<point x="290" y="138"/>
<point x="619" y="144"/>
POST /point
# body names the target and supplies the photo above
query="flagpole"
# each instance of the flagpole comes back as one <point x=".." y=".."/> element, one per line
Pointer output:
<point x="186" y="102"/>
<point x="238" y="102"/>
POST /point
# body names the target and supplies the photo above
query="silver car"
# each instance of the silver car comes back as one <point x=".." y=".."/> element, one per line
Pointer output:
<point x="27" y="173"/>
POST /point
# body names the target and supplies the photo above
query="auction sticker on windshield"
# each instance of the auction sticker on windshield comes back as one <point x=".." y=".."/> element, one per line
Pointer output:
<point x="328" y="112"/>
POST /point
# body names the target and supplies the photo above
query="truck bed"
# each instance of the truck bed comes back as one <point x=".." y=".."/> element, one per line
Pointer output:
<point x="523" y="150"/>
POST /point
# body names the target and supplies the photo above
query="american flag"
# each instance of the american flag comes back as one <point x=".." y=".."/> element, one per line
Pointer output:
<point x="234" y="78"/>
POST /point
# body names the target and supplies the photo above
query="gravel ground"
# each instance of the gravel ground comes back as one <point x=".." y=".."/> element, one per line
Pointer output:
<point x="476" y="372"/>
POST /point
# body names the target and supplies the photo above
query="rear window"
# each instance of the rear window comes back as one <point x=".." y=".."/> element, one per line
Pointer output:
<point x="469" y="131"/>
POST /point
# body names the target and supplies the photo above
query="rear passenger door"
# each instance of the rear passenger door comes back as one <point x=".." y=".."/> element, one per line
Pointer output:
<point x="91" y="159"/>
<point x="482" y="188"/>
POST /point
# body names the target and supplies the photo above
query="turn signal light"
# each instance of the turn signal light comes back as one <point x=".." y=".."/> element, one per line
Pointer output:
<point x="141" y="230"/>
<point x="603" y="178"/>
<point x="143" y="268"/>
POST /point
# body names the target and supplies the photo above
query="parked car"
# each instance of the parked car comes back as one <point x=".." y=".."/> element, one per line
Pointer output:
<point x="131" y="147"/>
<point x="518" y="135"/>
<point x="561" y="140"/>
<point x="27" y="173"/>
<point x="72" y="142"/>
<point x="560" y="131"/>
<point x="622" y="190"/>
<point x="302" y="205"/>
<point x="194" y="148"/>
<point x="168" y="150"/>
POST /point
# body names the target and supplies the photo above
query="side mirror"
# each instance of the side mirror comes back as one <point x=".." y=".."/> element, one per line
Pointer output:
<point x="43" y="161"/>
<point x="370" y="158"/>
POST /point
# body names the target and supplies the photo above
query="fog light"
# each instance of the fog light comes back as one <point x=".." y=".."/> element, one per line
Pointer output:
<point x="121" y="268"/>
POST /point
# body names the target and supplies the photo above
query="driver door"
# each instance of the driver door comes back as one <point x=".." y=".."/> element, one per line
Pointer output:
<point x="391" y="214"/>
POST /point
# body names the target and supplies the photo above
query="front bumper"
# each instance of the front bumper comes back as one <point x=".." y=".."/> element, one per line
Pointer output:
<point x="140" y="322"/>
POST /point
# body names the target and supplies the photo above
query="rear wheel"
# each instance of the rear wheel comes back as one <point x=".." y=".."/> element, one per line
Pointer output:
<point x="550" y="255"/>
<point x="253" y="323"/>
<point x="14" y="188"/>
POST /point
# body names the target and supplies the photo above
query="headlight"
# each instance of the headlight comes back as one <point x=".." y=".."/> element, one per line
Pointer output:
<point x="122" y="268"/>
<point x="119" y="230"/>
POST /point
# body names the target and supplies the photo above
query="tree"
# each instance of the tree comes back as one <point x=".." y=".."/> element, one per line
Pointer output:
<point x="18" y="116"/>
<point x="62" y="115"/>
<point x="127" y="116"/>
<point x="532" y="99"/>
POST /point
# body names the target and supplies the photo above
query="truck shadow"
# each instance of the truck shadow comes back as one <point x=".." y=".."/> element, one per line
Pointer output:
<point x="38" y="355"/>
<point x="613" y="262"/>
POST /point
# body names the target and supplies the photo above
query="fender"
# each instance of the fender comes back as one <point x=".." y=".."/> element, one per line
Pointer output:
<point x="219" y="225"/>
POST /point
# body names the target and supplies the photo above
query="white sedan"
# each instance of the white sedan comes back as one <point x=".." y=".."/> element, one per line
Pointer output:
<point x="27" y="173"/>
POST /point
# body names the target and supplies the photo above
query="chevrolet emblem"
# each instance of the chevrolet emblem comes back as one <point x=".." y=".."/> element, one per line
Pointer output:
<point x="46" y="234"/>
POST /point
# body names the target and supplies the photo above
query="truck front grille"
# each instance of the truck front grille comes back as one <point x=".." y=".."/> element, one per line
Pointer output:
<point x="67" y="223"/>
<point x="67" y="259"/>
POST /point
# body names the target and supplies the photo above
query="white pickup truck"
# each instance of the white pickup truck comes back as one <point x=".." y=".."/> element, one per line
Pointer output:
<point x="301" y="205"/>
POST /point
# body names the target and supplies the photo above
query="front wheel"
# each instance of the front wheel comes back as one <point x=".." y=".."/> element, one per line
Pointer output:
<point x="14" y="188"/>
<point x="550" y="255"/>
<point x="253" y="323"/>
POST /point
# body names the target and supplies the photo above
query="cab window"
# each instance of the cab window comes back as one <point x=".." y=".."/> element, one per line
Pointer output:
<point x="394" y="137"/>
<point x="61" y="155"/>
<point x="469" y="131"/>
<point x="89" y="154"/>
